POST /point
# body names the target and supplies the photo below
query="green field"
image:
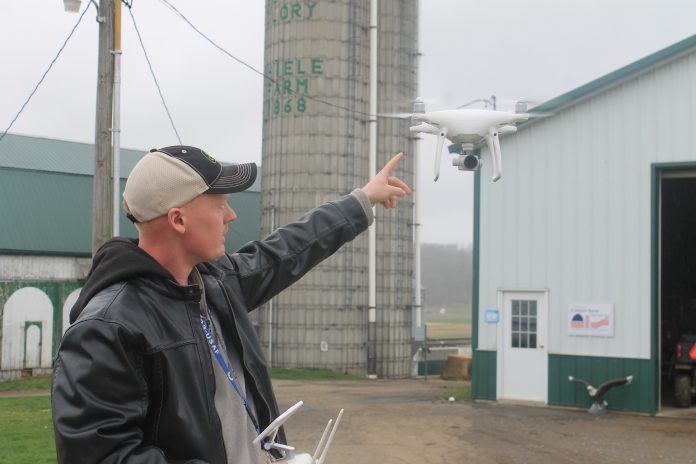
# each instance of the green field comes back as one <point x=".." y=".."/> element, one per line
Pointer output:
<point x="454" y="322"/>
<point x="310" y="374"/>
<point x="29" y="383"/>
<point x="27" y="430"/>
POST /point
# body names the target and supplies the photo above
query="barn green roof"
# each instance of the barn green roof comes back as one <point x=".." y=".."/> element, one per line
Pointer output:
<point x="46" y="207"/>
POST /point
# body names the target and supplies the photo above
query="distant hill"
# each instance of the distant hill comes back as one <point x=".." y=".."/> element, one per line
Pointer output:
<point x="446" y="272"/>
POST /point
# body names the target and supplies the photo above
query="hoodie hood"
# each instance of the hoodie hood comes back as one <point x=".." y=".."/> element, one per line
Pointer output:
<point x="118" y="260"/>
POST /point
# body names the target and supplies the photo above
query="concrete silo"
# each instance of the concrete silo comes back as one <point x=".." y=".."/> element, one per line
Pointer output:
<point x="315" y="148"/>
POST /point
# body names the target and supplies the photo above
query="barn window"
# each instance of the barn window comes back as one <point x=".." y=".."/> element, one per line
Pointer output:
<point x="524" y="324"/>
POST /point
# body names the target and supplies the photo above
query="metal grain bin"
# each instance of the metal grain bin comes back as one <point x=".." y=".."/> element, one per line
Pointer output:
<point x="315" y="148"/>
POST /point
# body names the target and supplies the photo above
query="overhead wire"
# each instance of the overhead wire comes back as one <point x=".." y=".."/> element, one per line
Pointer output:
<point x="60" y="50"/>
<point x="154" y="77"/>
<point x="261" y="73"/>
<point x="202" y="34"/>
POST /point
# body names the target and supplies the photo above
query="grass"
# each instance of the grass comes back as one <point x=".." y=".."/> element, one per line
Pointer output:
<point x="459" y="393"/>
<point x="27" y="431"/>
<point x="310" y="374"/>
<point x="42" y="382"/>
<point x="455" y="322"/>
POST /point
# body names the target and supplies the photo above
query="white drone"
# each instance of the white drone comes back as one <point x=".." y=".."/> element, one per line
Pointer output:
<point x="466" y="127"/>
<point x="289" y="456"/>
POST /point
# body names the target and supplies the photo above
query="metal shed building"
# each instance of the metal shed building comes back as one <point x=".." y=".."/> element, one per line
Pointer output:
<point x="584" y="262"/>
<point x="45" y="241"/>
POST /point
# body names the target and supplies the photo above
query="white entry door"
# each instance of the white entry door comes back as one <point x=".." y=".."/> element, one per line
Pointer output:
<point x="523" y="367"/>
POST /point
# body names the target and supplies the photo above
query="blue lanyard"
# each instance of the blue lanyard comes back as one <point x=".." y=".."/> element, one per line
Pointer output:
<point x="218" y="355"/>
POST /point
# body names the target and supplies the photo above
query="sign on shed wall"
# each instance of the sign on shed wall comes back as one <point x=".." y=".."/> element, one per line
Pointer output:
<point x="591" y="319"/>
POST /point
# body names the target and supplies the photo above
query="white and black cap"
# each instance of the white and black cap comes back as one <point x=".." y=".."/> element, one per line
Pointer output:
<point x="170" y="177"/>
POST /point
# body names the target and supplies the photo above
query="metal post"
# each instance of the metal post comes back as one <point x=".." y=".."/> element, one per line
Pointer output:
<point x="116" y="123"/>
<point x="372" y="233"/>
<point x="270" y="306"/>
<point x="101" y="191"/>
<point x="417" y="298"/>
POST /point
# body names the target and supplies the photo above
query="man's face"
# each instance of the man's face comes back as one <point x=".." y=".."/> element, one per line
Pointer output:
<point x="206" y="218"/>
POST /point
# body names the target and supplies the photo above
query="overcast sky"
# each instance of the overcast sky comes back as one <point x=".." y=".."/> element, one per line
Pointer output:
<point x="471" y="49"/>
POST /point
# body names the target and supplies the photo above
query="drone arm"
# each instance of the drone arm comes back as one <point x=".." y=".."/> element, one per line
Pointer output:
<point x="441" y="136"/>
<point x="493" y="141"/>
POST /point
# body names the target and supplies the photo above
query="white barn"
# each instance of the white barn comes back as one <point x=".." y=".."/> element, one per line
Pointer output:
<point x="582" y="264"/>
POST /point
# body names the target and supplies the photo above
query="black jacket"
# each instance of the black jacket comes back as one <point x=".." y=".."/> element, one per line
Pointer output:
<point x="133" y="379"/>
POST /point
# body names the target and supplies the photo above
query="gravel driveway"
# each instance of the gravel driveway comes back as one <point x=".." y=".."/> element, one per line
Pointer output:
<point x="405" y="421"/>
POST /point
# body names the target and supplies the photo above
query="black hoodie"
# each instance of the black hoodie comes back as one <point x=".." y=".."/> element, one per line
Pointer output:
<point x="118" y="260"/>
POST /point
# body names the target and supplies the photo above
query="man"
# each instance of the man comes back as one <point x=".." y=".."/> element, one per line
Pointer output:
<point x="161" y="363"/>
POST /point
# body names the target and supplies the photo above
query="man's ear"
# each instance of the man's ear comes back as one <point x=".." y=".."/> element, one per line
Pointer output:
<point x="175" y="220"/>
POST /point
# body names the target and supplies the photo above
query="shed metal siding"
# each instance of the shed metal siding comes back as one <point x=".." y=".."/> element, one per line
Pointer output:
<point x="638" y="396"/>
<point x="483" y="375"/>
<point x="572" y="212"/>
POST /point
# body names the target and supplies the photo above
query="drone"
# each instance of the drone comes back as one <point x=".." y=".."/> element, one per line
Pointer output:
<point x="268" y="437"/>
<point x="465" y="128"/>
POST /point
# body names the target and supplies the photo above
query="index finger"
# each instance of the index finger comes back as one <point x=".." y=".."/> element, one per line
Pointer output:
<point x="391" y="165"/>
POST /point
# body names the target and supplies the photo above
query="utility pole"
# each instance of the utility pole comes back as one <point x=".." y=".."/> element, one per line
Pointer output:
<point x="102" y="193"/>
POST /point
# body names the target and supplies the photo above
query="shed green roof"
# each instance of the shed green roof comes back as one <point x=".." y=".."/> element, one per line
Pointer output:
<point x="613" y="78"/>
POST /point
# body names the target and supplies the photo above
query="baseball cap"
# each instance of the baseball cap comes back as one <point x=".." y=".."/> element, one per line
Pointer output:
<point x="170" y="177"/>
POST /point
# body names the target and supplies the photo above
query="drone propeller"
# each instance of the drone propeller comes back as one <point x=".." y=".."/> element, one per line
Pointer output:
<point x="395" y="115"/>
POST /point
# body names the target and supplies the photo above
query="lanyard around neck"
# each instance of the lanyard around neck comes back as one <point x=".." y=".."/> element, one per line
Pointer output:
<point x="218" y="355"/>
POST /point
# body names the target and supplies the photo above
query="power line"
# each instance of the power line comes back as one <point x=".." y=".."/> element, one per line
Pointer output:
<point x="147" y="58"/>
<point x="265" y="76"/>
<point x="45" y="73"/>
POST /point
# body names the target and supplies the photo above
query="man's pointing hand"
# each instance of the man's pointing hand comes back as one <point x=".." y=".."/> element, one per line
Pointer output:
<point x="384" y="188"/>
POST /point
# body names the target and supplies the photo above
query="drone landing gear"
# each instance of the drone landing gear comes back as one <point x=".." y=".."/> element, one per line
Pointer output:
<point x="466" y="160"/>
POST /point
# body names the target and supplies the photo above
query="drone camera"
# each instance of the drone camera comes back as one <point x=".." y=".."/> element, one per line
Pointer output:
<point x="467" y="162"/>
